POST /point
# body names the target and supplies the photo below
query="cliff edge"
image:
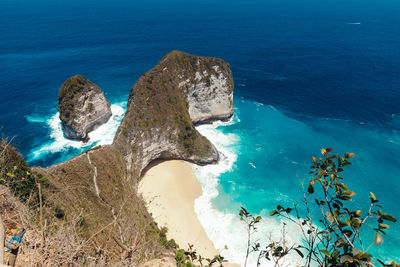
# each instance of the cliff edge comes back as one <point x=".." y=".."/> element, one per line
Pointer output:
<point x="82" y="107"/>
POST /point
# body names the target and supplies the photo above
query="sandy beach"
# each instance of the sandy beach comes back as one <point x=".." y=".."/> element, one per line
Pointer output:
<point x="169" y="189"/>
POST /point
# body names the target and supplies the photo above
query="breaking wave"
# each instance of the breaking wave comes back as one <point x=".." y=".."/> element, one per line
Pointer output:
<point x="103" y="135"/>
<point x="225" y="228"/>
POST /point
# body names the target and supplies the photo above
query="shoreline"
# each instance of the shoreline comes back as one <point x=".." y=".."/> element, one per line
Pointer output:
<point x="169" y="189"/>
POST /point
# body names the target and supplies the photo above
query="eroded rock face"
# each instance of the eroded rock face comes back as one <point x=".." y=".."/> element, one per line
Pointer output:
<point x="82" y="107"/>
<point x="164" y="105"/>
<point x="210" y="92"/>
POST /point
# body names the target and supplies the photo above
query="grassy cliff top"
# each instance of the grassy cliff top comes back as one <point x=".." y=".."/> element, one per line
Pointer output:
<point x="72" y="86"/>
<point x="70" y="92"/>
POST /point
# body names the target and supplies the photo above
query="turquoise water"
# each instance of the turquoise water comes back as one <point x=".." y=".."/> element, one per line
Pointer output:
<point x="269" y="152"/>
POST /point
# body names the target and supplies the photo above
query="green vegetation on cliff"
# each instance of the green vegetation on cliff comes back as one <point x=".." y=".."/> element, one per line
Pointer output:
<point x="16" y="174"/>
<point x="66" y="96"/>
<point x="113" y="218"/>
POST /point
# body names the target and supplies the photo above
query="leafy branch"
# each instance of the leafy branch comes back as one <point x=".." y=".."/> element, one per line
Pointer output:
<point x="336" y="241"/>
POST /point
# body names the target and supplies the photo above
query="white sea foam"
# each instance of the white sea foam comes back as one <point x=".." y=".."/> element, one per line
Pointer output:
<point x="222" y="227"/>
<point x="103" y="135"/>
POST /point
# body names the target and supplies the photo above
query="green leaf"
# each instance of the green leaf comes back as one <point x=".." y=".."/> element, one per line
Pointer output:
<point x="310" y="189"/>
<point x="299" y="252"/>
<point x="274" y="212"/>
<point x="373" y="198"/>
<point x="378" y="239"/>
<point x="388" y="217"/>
<point x="342" y="197"/>
<point x="342" y="185"/>
<point x="381" y="262"/>
<point x="383" y="226"/>
<point x="346" y="258"/>
<point x="356" y="222"/>
<point x="329" y="217"/>
<point x="349" y="193"/>
<point x="325" y="252"/>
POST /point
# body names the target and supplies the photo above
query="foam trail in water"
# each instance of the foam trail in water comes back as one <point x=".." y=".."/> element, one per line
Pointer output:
<point x="35" y="119"/>
<point x="225" y="228"/>
<point x="103" y="135"/>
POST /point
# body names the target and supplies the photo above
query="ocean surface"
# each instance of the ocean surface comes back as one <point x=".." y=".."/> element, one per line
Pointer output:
<point x="308" y="74"/>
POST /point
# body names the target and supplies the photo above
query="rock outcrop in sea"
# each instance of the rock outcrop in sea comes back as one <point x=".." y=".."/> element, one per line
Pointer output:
<point x="82" y="107"/>
<point x="165" y="104"/>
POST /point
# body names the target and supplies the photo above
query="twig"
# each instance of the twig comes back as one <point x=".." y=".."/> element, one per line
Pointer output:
<point x="121" y="245"/>
<point x="41" y="215"/>
<point x="1" y="241"/>
<point x="87" y="240"/>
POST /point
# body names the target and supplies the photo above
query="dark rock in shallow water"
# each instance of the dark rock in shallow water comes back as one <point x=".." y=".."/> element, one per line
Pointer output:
<point x="82" y="107"/>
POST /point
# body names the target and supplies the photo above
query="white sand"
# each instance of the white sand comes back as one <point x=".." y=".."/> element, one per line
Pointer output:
<point x="169" y="189"/>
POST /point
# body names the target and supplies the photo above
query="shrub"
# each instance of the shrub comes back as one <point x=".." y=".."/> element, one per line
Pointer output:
<point x="336" y="240"/>
<point x="16" y="174"/>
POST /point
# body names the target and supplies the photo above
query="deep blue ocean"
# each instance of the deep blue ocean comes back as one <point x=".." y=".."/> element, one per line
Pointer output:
<point x="308" y="74"/>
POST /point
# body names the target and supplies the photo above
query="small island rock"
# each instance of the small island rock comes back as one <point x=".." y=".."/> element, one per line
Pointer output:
<point x="82" y="107"/>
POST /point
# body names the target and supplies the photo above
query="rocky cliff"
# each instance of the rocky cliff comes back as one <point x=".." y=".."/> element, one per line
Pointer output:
<point x="164" y="105"/>
<point x="82" y="107"/>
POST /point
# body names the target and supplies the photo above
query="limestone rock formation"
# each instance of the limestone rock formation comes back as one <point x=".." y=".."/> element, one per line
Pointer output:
<point x="210" y="91"/>
<point x="82" y="107"/>
<point x="164" y="105"/>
